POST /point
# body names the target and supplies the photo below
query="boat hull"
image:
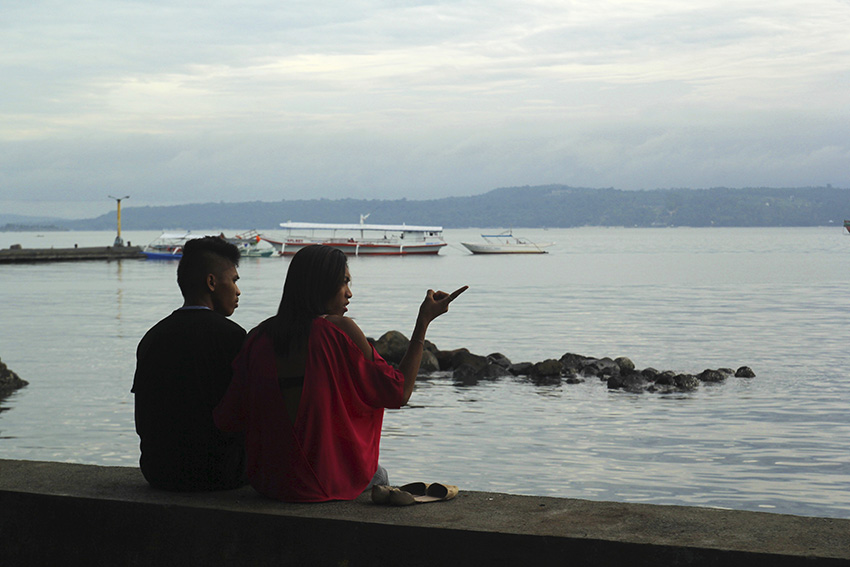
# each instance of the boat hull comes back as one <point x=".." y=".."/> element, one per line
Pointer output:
<point x="501" y="249"/>
<point x="153" y="255"/>
<point x="290" y="247"/>
<point x="506" y="243"/>
<point x="256" y="253"/>
<point x="277" y="245"/>
<point x="244" y="253"/>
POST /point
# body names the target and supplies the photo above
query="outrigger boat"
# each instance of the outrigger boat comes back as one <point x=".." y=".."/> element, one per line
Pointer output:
<point x="169" y="246"/>
<point x="361" y="239"/>
<point x="506" y="243"/>
<point x="248" y="244"/>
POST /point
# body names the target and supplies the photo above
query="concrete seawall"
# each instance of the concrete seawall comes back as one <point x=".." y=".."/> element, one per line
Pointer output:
<point x="21" y="255"/>
<point x="58" y="513"/>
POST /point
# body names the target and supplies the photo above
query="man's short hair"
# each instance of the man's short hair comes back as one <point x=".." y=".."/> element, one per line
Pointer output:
<point x="202" y="256"/>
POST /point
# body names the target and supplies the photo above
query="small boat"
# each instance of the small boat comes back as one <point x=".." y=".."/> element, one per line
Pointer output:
<point x="361" y="239"/>
<point x="506" y="243"/>
<point x="248" y="244"/>
<point x="847" y="225"/>
<point x="169" y="246"/>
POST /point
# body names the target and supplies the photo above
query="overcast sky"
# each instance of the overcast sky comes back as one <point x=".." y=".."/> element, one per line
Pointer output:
<point x="178" y="101"/>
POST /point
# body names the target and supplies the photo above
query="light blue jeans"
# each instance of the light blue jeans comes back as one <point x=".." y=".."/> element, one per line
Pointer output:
<point x="381" y="478"/>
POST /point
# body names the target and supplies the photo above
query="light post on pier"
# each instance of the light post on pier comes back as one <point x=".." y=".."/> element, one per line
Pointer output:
<point x="118" y="240"/>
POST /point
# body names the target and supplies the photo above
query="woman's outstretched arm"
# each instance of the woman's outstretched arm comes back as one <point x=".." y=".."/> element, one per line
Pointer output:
<point x="435" y="304"/>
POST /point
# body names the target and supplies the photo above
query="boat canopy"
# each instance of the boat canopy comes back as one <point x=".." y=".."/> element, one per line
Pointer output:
<point x="181" y="236"/>
<point x="175" y="235"/>
<point x="379" y="227"/>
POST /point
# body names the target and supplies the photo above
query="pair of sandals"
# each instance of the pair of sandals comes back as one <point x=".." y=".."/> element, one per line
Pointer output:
<point x="413" y="493"/>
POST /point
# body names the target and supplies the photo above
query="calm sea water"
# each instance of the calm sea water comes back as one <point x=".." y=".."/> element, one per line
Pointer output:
<point x="680" y="299"/>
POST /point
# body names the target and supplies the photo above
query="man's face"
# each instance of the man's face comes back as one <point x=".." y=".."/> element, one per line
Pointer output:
<point x="224" y="291"/>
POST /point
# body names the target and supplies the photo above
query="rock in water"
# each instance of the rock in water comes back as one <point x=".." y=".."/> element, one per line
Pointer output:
<point x="549" y="367"/>
<point x="745" y="372"/>
<point x="392" y="346"/>
<point x="9" y="381"/>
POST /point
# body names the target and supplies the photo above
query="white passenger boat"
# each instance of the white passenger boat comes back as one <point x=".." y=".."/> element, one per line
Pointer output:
<point x="361" y="239"/>
<point x="506" y="243"/>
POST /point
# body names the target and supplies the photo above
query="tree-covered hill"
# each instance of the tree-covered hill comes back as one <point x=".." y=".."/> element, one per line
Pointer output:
<point x="542" y="206"/>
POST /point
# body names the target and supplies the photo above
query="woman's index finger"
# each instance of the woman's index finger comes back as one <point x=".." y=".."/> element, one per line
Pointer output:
<point x="457" y="292"/>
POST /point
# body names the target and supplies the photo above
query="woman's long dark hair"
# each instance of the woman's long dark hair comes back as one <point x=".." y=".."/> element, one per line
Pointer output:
<point x="315" y="275"/>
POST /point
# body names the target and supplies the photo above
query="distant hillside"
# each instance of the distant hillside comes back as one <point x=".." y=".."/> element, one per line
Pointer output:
<point x="28" y="227"/>
<point x="21" y="223"/>
<point x="545" y="206"/>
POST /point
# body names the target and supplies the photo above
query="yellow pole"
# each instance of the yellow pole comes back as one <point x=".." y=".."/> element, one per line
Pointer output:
<point x="118" y="240"/>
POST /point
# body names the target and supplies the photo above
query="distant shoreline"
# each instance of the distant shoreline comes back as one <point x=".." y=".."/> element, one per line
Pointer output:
<point x="19" y="227"/>
<point x="550" y="206"/>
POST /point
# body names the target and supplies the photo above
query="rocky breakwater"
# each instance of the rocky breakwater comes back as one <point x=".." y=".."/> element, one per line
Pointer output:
<point x="618" y="373"/>
<point x="9" y="381"/>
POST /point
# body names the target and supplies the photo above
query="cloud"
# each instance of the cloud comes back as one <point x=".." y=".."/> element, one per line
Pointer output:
<point x="182" y="100"/>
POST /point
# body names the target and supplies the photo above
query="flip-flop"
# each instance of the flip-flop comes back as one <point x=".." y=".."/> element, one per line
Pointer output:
<point x="423" y="493"/>
<point x="415" y="488"/>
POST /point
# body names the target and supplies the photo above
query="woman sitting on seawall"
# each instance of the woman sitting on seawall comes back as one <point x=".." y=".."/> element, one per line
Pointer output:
<point x="310" y="391"/>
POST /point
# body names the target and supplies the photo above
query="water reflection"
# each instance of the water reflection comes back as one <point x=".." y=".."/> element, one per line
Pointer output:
<point x="119" y="288"/>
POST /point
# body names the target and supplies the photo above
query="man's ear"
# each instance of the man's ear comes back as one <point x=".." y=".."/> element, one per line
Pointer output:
<point x="210" y="281"/>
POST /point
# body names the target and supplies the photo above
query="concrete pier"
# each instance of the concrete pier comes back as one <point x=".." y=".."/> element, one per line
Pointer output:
<point x="67" y="514"/>
<point x="21" y="255"/>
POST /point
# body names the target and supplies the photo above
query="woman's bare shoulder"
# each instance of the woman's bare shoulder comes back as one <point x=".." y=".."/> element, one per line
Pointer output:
<point x="341" y="321"/>
<point x="350" y="328"/>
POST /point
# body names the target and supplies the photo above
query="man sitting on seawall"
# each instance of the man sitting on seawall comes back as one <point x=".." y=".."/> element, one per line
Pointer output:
<point x="183" y="368"/>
